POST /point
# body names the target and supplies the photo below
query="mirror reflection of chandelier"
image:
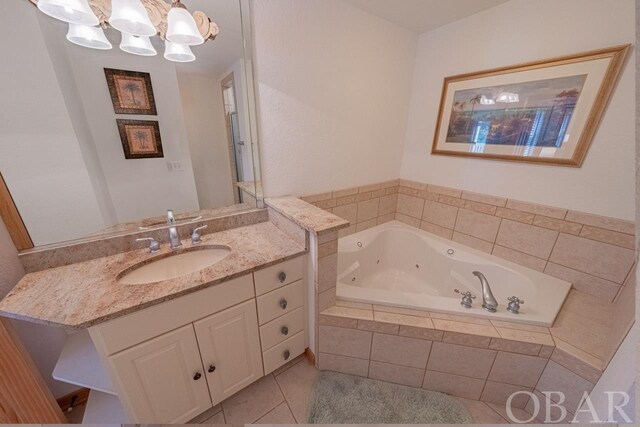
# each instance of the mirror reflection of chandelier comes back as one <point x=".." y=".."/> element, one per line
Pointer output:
<point x="137" y="21"/>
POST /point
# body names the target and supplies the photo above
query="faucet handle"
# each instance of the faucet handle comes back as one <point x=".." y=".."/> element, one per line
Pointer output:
<point x="514" y="304"/>
<point x="154" y="246"/>
<point x="195" y="234"/>
<point x="467" y="299"/>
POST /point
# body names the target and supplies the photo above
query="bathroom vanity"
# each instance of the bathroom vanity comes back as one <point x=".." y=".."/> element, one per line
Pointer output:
<point x="167" y="351"/>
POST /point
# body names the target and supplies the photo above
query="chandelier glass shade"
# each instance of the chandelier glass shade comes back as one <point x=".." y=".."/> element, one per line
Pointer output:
<point x="178" y="52"/>
<point x="130" y="16"/>
<point x="87" y="36"/>
<point x="137" y="45"/>
<point x="137" y="21"/>
<point x="71" y="11"/>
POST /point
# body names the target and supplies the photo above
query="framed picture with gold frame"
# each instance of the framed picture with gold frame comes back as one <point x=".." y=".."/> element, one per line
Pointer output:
<point x="140" y="138"/>
<point x="131" y="92"/>
<point x="540" y="112"/>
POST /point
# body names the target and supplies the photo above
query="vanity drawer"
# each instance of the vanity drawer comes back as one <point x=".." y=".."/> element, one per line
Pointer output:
<point x="274" y="332"/>
<point x="276" y="276"/>
<point x="280" y="301"/>
<point x="283" y="352"/>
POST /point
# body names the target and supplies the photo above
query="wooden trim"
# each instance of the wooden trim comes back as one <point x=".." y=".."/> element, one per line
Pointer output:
<point x="311" y="358"/>
<point x="74" y="399"/>
<point x="617" y="54"/>
<point x="24" y="397"/>
<point x="12" y="219"/>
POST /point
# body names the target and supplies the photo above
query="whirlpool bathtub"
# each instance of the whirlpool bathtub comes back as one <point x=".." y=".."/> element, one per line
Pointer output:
<point x="399" y="265"/>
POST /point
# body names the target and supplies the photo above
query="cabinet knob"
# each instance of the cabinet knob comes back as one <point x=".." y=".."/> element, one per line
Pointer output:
<point x="282" y="276"/>
<point x="284" y="330"/>
<point x="211" y="369"/>
<point x="197" y="376"/>
<point x="286" y="354"/>
<point x="283" y="303"/>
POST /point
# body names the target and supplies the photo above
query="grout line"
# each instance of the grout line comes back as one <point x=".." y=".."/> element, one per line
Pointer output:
<point x="496" y="412"/>
<point x="285" y="400"/>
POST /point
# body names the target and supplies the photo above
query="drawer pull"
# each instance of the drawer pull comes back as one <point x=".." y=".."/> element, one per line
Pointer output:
<point x="211" y="369"/>
<point x="286" y="354"/>
<point x="284" y="330"/>
<point x="197" y="376"/>
<point x="282" y="276"/>
<point x="283" y="303"/>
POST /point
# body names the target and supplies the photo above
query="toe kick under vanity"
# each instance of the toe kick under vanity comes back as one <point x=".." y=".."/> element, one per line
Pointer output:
<point x="167" y="352"/>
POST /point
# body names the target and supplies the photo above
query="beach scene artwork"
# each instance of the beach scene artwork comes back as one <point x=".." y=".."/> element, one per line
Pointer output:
<point x="528" y="114"/>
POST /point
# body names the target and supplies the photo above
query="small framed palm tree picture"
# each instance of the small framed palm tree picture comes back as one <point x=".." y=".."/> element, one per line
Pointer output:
<point x="131" y="92"/>
<point x="140" y="138"/>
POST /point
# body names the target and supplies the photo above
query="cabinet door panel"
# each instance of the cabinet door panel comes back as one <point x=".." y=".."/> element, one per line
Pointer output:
<point x="157" y="377"/>
<point x="229" y="342"/>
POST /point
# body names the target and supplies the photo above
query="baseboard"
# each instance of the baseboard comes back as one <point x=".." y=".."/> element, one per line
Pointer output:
<point x="76" y="398"/>
<point x="311" y="358"/>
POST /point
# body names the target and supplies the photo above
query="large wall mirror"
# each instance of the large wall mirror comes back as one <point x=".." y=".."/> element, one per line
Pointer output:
<point x="96" y="142"/>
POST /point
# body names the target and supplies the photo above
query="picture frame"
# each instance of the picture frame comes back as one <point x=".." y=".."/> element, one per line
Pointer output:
<point x="544" y="112"/>
<point x="140" y="138"/>
<point x="131" y="92"/>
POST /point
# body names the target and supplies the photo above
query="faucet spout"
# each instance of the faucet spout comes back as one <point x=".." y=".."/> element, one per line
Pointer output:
<point x="489" y="302"/>
<point x="174" y="237"/>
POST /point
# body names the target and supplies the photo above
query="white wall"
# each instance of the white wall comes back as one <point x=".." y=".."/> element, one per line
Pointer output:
<point x="514" y="32"/>
<point x="333" y="86"/>
<point x="206" y="130"/>
<point x="40" y="157"/>
<point x="139" y="188"/>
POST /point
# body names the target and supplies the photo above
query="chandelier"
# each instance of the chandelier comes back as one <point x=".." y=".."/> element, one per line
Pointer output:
<point x="137" y="21"/>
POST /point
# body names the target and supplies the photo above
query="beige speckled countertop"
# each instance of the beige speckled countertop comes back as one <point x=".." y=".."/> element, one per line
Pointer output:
<point x="84" y="294"/>
<point x="306" y="215"/>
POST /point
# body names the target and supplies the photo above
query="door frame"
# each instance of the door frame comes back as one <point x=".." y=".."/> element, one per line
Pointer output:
<point x="12" y="218"/>
<point x="229" y="81"/>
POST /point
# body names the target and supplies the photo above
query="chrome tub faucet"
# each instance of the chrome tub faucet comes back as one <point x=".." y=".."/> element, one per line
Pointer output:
<point x="174" y="237"/>
<point x="489" y="302"/>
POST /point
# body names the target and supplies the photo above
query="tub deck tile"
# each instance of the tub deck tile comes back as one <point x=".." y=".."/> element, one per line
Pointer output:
<point x="466" y="328"/>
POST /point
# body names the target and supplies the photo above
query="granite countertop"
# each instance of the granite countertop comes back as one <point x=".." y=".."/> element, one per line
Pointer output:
<point x="306" y="215"/>
<point x="85" y="294"/>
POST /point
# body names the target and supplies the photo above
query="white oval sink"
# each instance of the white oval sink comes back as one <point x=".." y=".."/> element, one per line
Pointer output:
<point x="173" y="265"/>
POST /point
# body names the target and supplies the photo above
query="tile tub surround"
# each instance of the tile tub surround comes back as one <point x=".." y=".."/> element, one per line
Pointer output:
<point x="87" y="293"/>
<point x="594" y="253"/>
<point x="58" y="255"/>
<point x="476" y="359"/>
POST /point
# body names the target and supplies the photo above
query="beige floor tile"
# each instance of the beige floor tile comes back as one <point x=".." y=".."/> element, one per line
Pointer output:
<point x="215" y="419"/>
<point x="289" y="364"/>
<point x="520" y="414"/>
<point x="202" y="418"/>
<point x="279" y="415"/>
<point x="253" y="402"/>
<point x="296" y="384"/>
<point x="481" y="412"/>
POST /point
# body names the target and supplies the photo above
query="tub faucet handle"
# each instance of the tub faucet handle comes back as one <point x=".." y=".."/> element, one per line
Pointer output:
<point x="514" y="304"/>
<point x="467" y="299"/>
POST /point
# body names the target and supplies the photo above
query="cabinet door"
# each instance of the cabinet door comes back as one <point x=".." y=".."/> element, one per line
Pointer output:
<point x="230" y="348"/>
<point x="162" y="379"/>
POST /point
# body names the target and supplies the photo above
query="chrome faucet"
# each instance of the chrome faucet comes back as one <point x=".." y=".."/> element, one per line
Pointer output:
<point x="489" y="303"/>
<point x="174" y="237"/>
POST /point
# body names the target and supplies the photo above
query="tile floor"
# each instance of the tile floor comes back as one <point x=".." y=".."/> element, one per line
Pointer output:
<point x="283" y="397"/>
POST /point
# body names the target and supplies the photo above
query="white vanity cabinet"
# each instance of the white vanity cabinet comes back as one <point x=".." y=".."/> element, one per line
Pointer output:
<point x="163" y="377"/>
<point x="230" y="349"/>
<point x="170" y="362"/>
